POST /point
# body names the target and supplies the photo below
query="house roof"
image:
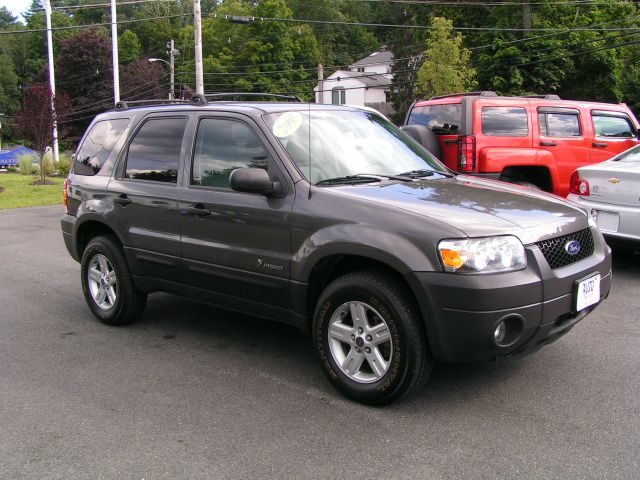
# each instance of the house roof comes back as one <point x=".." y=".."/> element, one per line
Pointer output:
<point x="368" y="79"/>
<point x="382" y="56"/>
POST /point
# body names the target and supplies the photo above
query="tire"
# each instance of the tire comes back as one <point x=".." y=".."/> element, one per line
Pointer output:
<point x="107" y="284"/>
<point x="375" y="371"/>
<point x="527" y="185"/>
<point x="425" y="137"/>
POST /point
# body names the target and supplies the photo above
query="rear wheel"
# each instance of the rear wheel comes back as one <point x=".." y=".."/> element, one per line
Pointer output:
<point x="369" y="339"/>
<point x="107" y="284"/>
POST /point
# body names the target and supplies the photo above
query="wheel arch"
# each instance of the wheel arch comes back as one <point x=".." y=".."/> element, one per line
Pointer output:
<point x="541" y="176"/>
<point x="333" y="266"/>
<point x="90" y="227"/>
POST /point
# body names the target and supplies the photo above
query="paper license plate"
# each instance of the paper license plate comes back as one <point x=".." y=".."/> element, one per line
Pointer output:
<point x="587" y="292"/>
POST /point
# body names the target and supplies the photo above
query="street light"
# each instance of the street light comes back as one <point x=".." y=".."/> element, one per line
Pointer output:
<point x="173" y="52"/>
<point x="152" y="60"/>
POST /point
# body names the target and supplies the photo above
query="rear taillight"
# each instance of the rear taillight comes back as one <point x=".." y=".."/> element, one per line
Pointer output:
<point x="467" y="153"/>
<point x="66" y="194"/>
<point x="578" y="186"/>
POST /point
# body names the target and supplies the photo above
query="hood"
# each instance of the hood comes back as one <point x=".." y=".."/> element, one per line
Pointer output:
<point x="479" y="207"/>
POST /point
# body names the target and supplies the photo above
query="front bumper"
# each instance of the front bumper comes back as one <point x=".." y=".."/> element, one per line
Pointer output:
<point x="461" y="312"/>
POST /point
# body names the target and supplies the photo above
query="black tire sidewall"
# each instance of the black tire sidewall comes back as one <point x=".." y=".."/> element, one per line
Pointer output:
<point x="356" y="289"/>
<point x="104" y="246"/>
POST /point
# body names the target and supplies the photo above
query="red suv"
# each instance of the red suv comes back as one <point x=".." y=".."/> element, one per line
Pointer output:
<point x="538" y="140"/>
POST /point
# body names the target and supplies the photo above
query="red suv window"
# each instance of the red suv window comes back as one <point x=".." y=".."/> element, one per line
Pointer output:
<point x="505" y="122"/>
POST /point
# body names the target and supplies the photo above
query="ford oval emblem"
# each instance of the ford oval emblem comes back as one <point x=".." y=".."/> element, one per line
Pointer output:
<point x="572" y="247"/>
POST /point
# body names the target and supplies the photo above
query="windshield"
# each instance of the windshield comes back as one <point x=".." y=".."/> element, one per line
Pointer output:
<point x="330" y="144"/>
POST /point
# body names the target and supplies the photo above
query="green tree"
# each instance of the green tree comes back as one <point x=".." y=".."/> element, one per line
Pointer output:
<point x="129" y="47"/>
<point x="447" y="64"/>
<point x="9" y="98"/>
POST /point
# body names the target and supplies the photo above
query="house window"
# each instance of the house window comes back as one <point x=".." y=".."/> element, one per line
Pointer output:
<point x="338" y="96"/>
<point x="361" y="69"/>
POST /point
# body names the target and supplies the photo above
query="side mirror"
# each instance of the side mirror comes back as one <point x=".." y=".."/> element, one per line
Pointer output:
<point x="254" y="180"/>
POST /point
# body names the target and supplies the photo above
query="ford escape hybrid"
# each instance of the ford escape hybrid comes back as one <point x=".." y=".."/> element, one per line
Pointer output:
<point x="335" y="221"/>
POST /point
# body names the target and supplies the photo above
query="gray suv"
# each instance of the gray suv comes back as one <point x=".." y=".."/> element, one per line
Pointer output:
<point x="335" y="221"/>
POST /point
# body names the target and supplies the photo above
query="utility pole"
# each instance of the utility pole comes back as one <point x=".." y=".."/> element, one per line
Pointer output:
<point x="114" y="47"/>
<point x="321" y="83"/>
<point x="172" y="54"/>
<point x="52" y="81"/>
<point x="197" y="23"/>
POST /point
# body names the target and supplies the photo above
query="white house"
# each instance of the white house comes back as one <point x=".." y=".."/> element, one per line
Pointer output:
<point x="367" y="82"/>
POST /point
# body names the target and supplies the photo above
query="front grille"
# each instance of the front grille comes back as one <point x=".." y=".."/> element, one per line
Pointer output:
<point x="555" y="253"/>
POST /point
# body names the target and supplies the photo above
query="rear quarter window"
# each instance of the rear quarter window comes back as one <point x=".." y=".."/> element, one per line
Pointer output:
<point x="97" y="145"/>
<point x="505" y="122"/>
<point x="442" y="119"/>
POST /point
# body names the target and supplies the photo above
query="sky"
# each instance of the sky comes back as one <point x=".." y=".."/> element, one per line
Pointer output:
<point x="16" y="7"/>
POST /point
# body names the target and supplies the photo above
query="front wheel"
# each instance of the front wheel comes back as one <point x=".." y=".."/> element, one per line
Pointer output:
<point x="369" y="339"/>
<point x="107" y="284"/>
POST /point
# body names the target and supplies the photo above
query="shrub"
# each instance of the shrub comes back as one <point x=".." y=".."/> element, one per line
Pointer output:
<point x="25" y="163"/>
<point x="63" y="166"/>
<point x="47" y="166"/>
<point x="12" y="169"/>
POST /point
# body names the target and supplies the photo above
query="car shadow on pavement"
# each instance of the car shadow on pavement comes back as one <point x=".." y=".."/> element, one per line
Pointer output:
<point x="286" y="354"/>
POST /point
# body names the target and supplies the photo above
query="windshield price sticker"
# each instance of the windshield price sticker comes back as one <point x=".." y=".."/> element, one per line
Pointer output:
<point x="588" y="292"/>
<point x="287" y="124"/>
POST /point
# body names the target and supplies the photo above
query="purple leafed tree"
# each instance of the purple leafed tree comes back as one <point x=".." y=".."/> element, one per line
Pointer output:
<point x="35" y="119"/>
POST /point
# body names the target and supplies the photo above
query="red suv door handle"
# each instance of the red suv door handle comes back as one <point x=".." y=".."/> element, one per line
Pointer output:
<point x="548" y="144"/>
<point x="600" y="144"/>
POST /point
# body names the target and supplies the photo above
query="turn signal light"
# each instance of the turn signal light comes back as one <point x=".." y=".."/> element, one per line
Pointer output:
<point x="578" y="186"/>
<point x="451" y="258"/>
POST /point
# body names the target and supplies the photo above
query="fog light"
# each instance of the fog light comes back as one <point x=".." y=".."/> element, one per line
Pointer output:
<point x="499" y="333"/>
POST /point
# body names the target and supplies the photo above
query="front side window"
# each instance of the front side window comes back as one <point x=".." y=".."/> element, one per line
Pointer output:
<point x="443" y="119"/>
<point x="154" y="153"/>
<point x="97" y="146"/>
<point x="326" y="144"/>
<point x="613" y="127"/>
<point x="555" y="124"/>
<point x="223" y="145"/>
<point x="505" y="122"/>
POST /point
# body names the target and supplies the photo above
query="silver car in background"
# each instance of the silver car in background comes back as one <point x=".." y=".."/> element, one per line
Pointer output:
<point x="610" y="191"/>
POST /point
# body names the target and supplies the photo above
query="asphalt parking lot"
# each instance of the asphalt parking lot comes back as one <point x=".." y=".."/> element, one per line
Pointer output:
<point x="196" y="392"/>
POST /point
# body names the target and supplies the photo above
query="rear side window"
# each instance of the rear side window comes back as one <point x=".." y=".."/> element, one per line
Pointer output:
<point x="223" y="145"/>
<point x="154" y="153"/>
<point x="97" y="145"/>
<point x="610" y="126"/>
<point x="559" y="124"/>
<point x="505" y="122"/>
<point x="442" y="119"/>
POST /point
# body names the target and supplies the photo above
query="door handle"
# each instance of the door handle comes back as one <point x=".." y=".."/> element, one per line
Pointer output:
<point x="600" y="144"/>
<point x="548" y="144"/>
<point x="122" y="200"/>
<point x="198" y="210"/>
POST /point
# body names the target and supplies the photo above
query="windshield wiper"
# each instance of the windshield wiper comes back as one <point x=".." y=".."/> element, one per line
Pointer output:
<point x="361" y="178"/>
<point x="424" y="172"/>
<point x="349" y="179"/>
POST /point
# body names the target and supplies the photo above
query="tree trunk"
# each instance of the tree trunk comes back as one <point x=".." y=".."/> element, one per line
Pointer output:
<point x="526" y="18"/>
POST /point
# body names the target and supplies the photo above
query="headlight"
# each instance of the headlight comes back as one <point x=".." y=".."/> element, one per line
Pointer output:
<point x="482" y="255"/>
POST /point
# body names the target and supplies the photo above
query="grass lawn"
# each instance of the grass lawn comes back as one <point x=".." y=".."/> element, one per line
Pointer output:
<point x="19" y="191"/>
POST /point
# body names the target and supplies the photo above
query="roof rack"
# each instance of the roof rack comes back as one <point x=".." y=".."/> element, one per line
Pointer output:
<point x="123" y="105"/>
<point x="548" y="96"/>
<point x="483" y="93"/>
<point x="200" y="98"/>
